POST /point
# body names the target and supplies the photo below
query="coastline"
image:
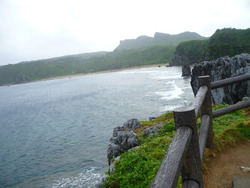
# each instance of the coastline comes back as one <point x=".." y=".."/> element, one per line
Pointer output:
<point x="92" y="73"/>
<point x="101" y="72"/>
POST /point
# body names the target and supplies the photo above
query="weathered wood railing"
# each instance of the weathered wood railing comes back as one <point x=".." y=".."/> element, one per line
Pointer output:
<point x="185" y="153"/>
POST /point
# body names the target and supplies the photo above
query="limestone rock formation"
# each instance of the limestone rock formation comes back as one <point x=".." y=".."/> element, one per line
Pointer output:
<point x="132" y="124"/>
<point x="123" y="139"/>
<point x="186" y="70"/>
<point x="222" y="68"/>
<point x="152" y="130"/>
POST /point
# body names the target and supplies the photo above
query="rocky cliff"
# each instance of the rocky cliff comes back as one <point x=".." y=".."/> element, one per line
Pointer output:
<point x="186" y="70"/>
<point x="222" y="68"/>
<point x="123" y="139"/>
<point x="190" y="52"/>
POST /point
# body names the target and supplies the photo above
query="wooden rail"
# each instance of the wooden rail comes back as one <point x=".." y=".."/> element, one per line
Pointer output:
<point x="186" y="151"/>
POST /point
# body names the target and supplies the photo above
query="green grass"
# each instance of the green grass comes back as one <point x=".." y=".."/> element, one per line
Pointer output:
<point x="138" y="167"/>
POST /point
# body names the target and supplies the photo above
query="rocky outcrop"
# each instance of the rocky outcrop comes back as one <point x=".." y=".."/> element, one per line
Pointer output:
<point x="131" y="124"/>
<point x="222" y="68"/>
<point x="154" y="130"/>
<point x="123" y="139"/>
<point x="186" y="70"/>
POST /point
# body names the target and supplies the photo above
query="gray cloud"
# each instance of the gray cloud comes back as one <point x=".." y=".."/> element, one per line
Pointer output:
<point x="43" y="28"/>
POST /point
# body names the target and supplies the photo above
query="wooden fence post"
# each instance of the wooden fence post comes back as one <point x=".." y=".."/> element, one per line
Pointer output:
<point x="191" y="170"/>
<point x="206" y="108"/>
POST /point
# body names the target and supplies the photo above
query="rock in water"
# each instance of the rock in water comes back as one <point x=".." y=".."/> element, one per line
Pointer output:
<point x="186" y="71"/>
<point x="222" y="68"/>
<point x="123" y="139"/>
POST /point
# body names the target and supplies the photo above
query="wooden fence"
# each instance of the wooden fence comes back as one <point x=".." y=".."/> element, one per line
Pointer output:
<point x="185" y="153"/>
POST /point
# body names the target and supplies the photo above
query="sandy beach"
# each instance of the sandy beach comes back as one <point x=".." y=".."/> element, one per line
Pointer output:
<point x="101" y="72"/>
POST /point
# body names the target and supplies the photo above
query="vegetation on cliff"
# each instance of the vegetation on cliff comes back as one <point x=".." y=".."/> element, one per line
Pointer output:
<point x="229" y="42"/>
<point x="137" y="167"/>
<point x="190" y="52"/>
<point x="224" y="42"/>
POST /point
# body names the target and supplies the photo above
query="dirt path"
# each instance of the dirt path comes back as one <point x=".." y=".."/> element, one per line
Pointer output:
<point x="226" y="165"/>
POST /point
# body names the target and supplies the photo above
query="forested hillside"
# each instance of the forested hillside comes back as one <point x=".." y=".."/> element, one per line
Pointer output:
<point x="83" y="63"/>
<point x="190" y="52"/>
<point x="229" y="42"/>
<point x="224" y="42"/>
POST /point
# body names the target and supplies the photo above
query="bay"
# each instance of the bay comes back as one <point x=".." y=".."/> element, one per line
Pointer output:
<point x="55" y="133"/>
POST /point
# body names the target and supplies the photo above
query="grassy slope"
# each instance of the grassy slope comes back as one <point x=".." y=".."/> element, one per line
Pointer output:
<point x="138" y="167"/>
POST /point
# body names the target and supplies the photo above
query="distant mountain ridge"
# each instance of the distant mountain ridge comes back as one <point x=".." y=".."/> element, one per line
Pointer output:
<point x="158" y="39"/>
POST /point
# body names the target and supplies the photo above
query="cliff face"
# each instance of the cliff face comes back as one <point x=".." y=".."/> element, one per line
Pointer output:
<point x="123" y="139"/>
<point x="222" y="68"/>
<point x="190" y="52"/>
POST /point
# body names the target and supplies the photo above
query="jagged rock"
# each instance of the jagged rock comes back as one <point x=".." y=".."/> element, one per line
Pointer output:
<point x="127" y="140"/>
<point x="123" y="139"/>
<point x="116" y="130"/>
<point x="222" y="68"/>
<point x="132" y="124"/>
<point x="114" y="150"/>
<point x="186" y="70"/>
<point x="152" y="130"/>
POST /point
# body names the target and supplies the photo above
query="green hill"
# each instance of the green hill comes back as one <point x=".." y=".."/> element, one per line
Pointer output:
<point x="229" y="42"/>
<point x="83" y="63"/>
<point x="224" y="42"/>
<point x="190" y="52"/>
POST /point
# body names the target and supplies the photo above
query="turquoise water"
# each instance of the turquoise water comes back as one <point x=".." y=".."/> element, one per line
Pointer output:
<point x="55" y="133"/>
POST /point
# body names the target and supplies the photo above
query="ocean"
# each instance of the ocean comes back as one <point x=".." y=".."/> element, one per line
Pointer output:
<point x="55" y="133"/>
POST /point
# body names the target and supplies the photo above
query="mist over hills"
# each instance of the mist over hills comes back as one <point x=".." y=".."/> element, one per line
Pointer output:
<point x="185" y="48"/>
<point x="158" y="39"/>
<point x="136" y="52"/>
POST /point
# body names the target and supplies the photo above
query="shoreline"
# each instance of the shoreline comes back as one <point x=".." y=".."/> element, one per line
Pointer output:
<point x="92" y="73"/>
<point x="100" y="72"/>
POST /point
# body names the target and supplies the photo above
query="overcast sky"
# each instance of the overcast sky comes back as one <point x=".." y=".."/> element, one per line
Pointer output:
<point x="38" y="29"/>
